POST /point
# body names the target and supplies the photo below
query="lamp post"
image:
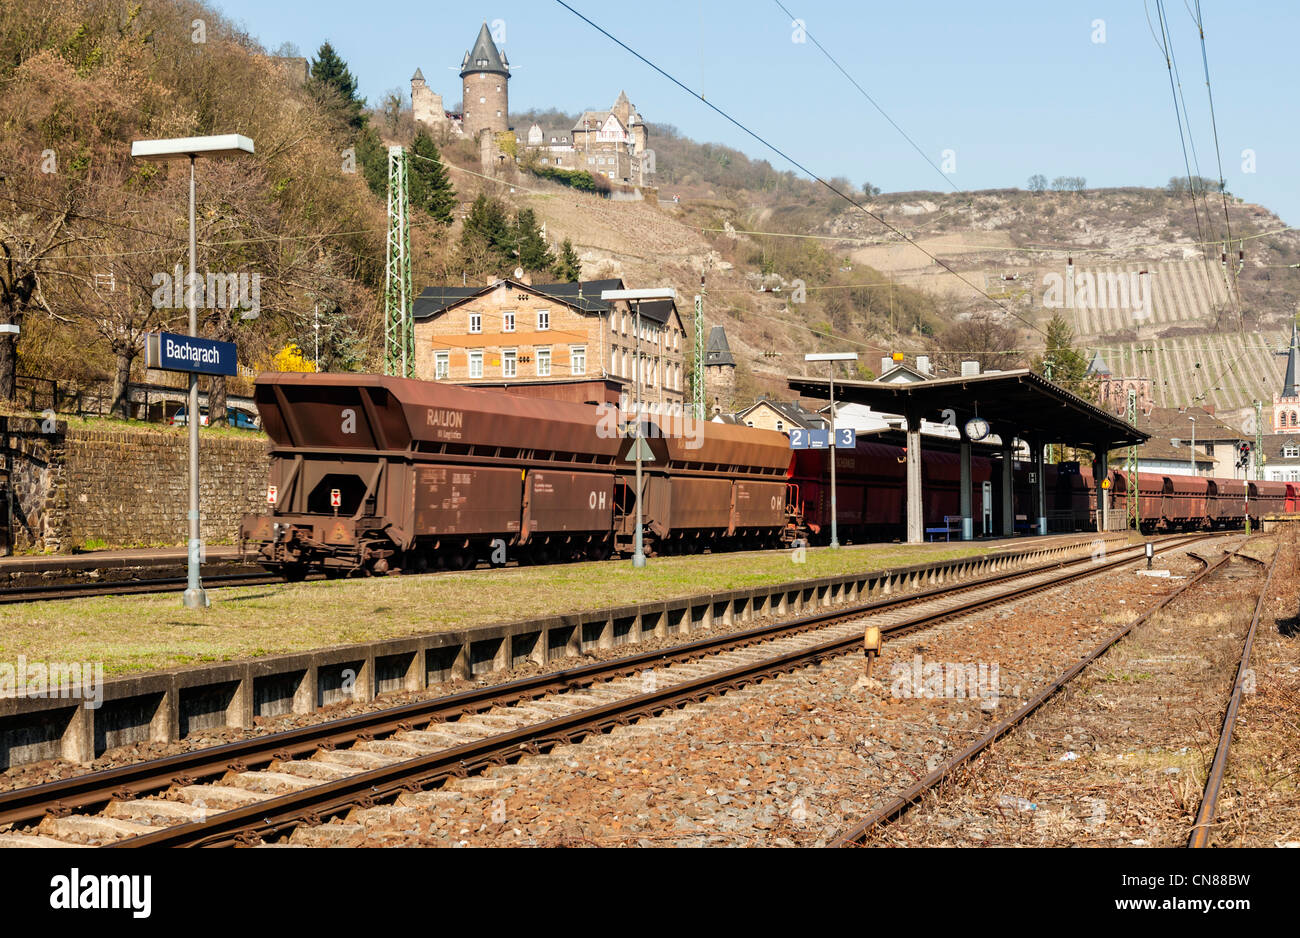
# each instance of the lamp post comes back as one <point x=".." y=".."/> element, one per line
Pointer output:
<point x="191" y="148"/>
<point x="1193" y="420"/>
<point x="833" y="357"/>
<point x="635" y="297"/>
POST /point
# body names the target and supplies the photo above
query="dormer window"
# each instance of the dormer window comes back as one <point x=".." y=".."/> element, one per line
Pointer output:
<point x="1291" y="451"/>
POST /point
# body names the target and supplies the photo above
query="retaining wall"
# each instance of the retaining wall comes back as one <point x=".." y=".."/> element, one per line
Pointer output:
<point x="126" y="488"/>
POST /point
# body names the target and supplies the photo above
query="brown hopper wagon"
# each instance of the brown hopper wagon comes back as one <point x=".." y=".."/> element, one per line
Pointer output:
<point x="373" y="474"/>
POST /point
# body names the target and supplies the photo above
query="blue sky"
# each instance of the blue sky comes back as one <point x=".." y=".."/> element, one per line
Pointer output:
<point x="1013" y="88"/>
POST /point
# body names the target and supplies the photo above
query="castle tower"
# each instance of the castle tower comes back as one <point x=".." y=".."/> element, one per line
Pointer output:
<point x="426" y="105"/>
<point x="486" y="76"/>
<point x="719" y="368"/>
<point x="1286" y="406"/>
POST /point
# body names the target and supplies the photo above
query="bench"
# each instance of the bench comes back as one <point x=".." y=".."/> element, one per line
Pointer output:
<point x="947" y="529"/>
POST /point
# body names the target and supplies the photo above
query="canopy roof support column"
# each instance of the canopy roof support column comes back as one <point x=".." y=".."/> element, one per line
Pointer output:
<point x="967" y="516"/>
<point x="1103" y="494"/>
<point x="915" y="505"/>
<point x="1040" y="490"/>
<point x="1008" y="491"/>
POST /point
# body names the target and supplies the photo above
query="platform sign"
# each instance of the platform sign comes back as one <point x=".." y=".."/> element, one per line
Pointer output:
<point x="169" y="352"/>
<point x="846" y="439"/>
<point x="819" y="439"/>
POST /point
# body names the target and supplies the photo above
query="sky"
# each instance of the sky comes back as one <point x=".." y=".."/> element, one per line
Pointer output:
<point x="990" y="92"/>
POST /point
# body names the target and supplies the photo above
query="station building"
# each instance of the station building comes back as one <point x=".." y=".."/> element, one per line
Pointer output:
<point x="512" y="331"/>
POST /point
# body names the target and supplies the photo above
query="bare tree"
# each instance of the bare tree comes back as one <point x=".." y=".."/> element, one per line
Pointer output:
<point x="983" y="337"/>
<point x="35" y="228"/>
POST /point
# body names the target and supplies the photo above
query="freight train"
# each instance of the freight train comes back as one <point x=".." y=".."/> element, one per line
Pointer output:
<point x="377" y="475"/>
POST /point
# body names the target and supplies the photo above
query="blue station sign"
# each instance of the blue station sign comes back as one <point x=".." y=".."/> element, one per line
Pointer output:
<point x="821" y="439"/>
<point x="169" y="352"/>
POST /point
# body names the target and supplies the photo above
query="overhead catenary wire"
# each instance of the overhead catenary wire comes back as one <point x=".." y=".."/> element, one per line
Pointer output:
<point x="1214" y="125"/>
<point x="798" y="165"/>
<point x="915" y="146"/>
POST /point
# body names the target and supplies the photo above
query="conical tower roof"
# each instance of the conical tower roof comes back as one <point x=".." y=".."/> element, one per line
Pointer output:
<point x="1098" y="365"/>
<point x="719" y="349"/>
<point x="1292" y="360"/>
<point x="485" y="56"/>
<point x="418" y="76"/>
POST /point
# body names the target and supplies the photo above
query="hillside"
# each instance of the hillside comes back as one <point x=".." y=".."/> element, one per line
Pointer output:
<point x="1195" y="340"/>
<point x="83" y="79"/>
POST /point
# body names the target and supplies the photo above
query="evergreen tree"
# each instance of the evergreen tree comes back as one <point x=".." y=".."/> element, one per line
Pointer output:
<point x="372" y="157"/>
<point x="534" y="254"/>
<point x="330" y="77"/>
<point x="568" y="268"/>
<point x="431" y="187"/>
<point x="1061" y="359"/>
<point x="489" y="225"/>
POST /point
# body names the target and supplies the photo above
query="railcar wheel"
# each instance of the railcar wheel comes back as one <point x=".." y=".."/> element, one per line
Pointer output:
<point x="294" y="572"/>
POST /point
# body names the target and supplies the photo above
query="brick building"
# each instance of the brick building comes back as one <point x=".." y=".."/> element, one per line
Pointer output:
<point x="511" y="331"/>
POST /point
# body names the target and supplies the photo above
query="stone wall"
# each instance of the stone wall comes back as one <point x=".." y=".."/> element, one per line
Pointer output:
<point x="37" y="478"/>
<point x="127" y="488"/>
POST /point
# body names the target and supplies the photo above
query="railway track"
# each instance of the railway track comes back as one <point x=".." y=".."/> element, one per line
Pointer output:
<point x="1201" y="828"/>
<point x="865" y="829"/>
<point x="53" y="592"/>
<point x="270" y="785"/>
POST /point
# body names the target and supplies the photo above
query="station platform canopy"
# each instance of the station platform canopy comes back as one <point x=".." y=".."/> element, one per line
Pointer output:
<point x="1018" y="402"/>
<point x="1015" y="405"/>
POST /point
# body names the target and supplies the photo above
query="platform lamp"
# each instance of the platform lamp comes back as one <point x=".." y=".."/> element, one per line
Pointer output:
<point x="191" y="148"/>
<point x="634" y="298"/>
<point x="833" y="357"/>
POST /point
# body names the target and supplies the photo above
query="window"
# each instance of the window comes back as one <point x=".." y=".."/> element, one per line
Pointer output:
<point x="476" y="364"/>
<point x="510" y="363"/>
<point x="613" y="361"/>
<point x="482" y="100"/>
<point x="780" y="426"/>
<point x="627" y="366"/>
<point x="625" y="324"/>
<point x="507" y="322"/>
<point x="1291" y="451"/>
<point x="578" y="359"/>
<point x="543" y="320"/>
<point x="475" y="323"/>
<point x="441" y="366"/>
<point x="543" y="363"/>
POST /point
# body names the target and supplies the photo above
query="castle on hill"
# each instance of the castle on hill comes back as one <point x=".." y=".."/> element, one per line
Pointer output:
<point x="613" y="143"/>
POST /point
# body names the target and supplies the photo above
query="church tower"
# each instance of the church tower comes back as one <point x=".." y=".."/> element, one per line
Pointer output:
<point x="486" y="76"/>
<point x="1286" y="406"/>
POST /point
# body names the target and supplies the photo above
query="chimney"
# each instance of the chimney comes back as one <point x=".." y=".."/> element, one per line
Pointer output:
<point x="886" y="364"/>
<point x="970" y="369"/>
<point x="923" y="364"/>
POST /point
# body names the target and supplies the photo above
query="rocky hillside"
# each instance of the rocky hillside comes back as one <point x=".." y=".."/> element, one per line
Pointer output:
<point x="1152" y="300"/>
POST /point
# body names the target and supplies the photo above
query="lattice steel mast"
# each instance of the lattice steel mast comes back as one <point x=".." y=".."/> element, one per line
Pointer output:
<point x="1131" y="465"/>
<point x="399" y="330"/>
<point x="697" y="370"/>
